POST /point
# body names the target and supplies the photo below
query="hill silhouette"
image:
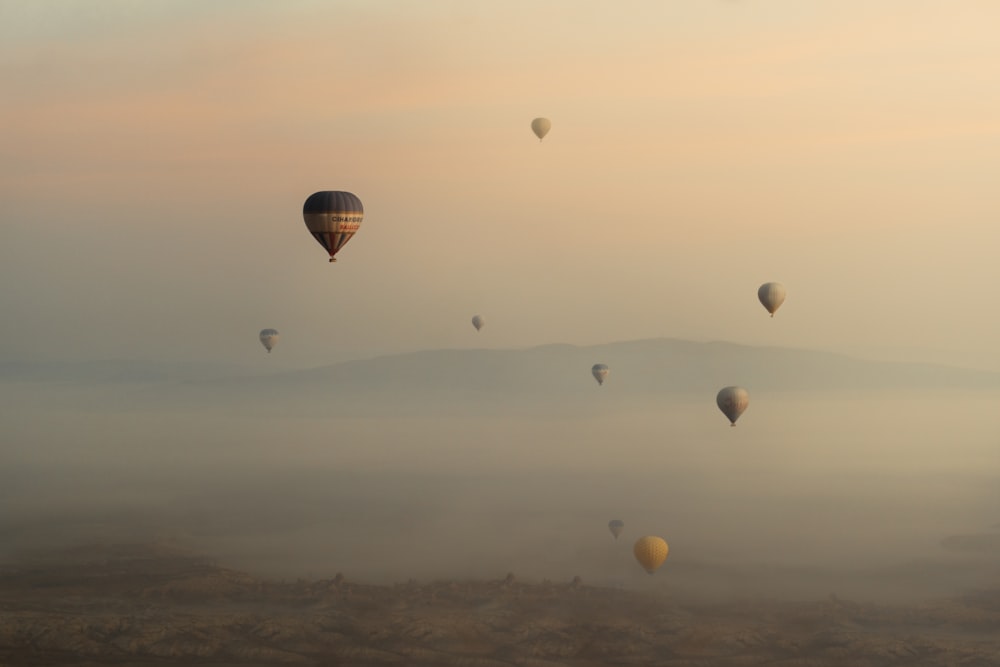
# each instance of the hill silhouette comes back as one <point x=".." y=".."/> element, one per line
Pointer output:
<point x="479" y="381"/>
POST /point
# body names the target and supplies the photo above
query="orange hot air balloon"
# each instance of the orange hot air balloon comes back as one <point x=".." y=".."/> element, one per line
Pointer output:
<point x="650" y="551"/>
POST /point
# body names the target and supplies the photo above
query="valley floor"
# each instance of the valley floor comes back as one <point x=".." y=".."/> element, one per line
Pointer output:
<point x="147" y="605"/>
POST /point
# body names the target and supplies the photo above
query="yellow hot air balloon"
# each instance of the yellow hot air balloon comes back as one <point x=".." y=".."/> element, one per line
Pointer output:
<point x="650" y="552"/>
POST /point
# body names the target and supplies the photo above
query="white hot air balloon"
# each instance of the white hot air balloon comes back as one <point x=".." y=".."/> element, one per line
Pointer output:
<point x="732" y="401"/>
<point x="269" y="338"/>
<point x="771" y="295"/>
<point x="541" y="127"/>
<point x="600" y="372"/>
<point x="477" y="322"/>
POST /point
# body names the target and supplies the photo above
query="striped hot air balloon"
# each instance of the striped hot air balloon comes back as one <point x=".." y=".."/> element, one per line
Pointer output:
<point x="269" y="338"/>
<point x="333" y="217"/>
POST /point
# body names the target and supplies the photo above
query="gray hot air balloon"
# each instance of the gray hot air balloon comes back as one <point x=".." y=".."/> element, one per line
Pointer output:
<point x="269" y="338"/>
<point x="332" y="218"/>
<point x="732" y="401"/>
<point x="477" y="322"/>
<point x="600" y="372"/>
<point x="616" y="526"/>
<point x="541" y="127"/>
<point x="772" y="295"/>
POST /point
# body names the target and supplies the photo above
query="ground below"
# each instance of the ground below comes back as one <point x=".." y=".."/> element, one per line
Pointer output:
<point x="149" y="605"/>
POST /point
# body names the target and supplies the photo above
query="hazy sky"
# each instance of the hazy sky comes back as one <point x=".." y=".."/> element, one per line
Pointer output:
<point x="156" y="156"/>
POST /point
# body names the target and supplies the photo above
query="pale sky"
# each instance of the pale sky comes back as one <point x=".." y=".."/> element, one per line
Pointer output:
<point x="156" y="156"/>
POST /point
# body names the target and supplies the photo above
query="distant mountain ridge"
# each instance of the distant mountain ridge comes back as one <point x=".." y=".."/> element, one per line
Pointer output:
<point x="115" y="370"/>
<point x="640" y="366"/>
<point x="659" y="365"/>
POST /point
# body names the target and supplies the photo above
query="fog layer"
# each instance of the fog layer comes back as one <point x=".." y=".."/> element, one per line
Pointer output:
<point x="867" y="493"/>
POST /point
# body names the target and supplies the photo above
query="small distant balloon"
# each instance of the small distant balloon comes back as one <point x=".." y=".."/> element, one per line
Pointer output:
<point x="600" y="372"/>
<point x="541" y="127"/>
<point x="269" y="338"/>
<point x="771" y="295"/>
<point x="732" y="401"/>
<point x="333" y="217"/>
<point x="616" y="526"/>
<point x="650" y="551"/>
<point x="477" y="322"/>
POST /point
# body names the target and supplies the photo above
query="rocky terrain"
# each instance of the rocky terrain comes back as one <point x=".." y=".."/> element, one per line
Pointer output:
<point x="144" y="605"/>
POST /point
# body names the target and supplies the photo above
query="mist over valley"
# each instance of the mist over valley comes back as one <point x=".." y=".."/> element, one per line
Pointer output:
<point x="844" y="476"/>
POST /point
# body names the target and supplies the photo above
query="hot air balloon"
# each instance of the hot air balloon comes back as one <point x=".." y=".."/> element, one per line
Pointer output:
<point x="269" y="338"/>
<point x="616" y="526"/>
<point x="650" y="552"/>
<point x="732" y="401"/>
<point x="332" y="218"/>
<point x="541" y="127"/>
<point x="600" y="372"/>
<point x="772" y="295"/>
<point x="477" y="322"/>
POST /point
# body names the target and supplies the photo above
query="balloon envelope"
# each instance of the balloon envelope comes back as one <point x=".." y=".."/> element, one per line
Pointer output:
<point x="732" y="401"/>
<point x="477" y="322"/>
<point x="600" y="372"/>
<point x="616" y="526"/>
<point x="541" y="127"/>
<point x="650" y="551"/>
<point x="771" y="295"/>
<point x="333" y="217"/>
<point x="269" y="338"/>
